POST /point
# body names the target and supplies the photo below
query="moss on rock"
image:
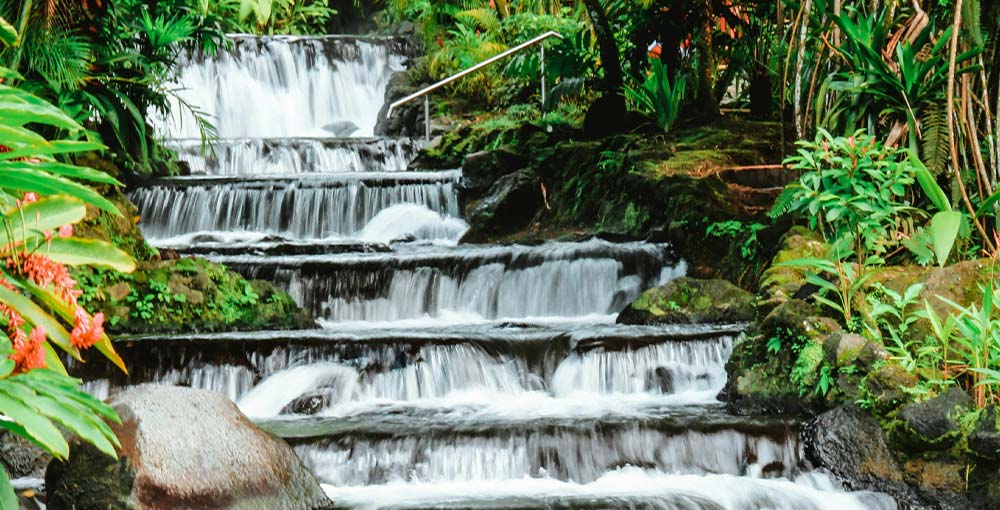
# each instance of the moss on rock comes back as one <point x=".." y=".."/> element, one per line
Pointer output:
<point x="186" y="295"/>
<point x="690" y="300"/>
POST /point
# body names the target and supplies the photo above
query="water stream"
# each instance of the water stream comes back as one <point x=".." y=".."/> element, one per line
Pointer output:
<point x="445" y="376"/>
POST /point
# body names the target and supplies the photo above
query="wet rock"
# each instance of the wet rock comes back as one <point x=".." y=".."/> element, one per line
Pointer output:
<point x="985" y="439"/>
<point x="849" y="443"/>
<point x="929" y="423"/>
<point x="510" y="205"/>
<point x="886" y="387"/>
<point x="778" y="283"/>
<point x="341" y="128"/>
<point x="690" y="300"/>
<point x="310" y="403"/>
<point x="844" y="349"/>
<point x="21" y="458"/>
<point x="481" y="169"/>
<point x="183" y="448"/>
<point x="660" y="379"/>
<point x="408" y="119"/>
<point x="934" y="475"/>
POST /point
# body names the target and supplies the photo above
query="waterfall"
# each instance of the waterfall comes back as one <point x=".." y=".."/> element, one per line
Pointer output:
<point x="285" y="87"/>
<point x="306" y="207"/>
<point x="447" y="376"/>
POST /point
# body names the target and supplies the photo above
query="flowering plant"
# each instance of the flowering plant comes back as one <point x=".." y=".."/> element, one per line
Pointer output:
<point x="40" y="200"/>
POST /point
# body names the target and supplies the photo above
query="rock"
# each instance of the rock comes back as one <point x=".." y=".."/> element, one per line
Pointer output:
<point x="985" y="439"/>
<point x="849" y="443"/>
<point x="341" y="128"/>
<point x="843" y="349"/>
<point x="886" y="387"/>
<point x="408" y="119"/>
<point x="930" y="422"/>
<point x="608" y="116"/>
<point x="183" y="448"/>
<point x="481" y="169"/>
<point x="778" y="283"/>
<point x="660" y="379"/>
<point x="690" y="300"/>
<point x="510" y="205"/>
<point x="934" y="475"/>
<point x="310" y="403"/>
<point x="21" y="458"/>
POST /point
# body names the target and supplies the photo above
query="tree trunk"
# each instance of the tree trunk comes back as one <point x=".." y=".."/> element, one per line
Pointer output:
<point x="705" y="102"/>
<point x="610" y="58"/>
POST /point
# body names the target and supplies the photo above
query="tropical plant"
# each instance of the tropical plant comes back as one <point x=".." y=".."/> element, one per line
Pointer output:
<point x="40" y="200"/>
<point x="852" y="189"/>
<point x="657" y="96"/>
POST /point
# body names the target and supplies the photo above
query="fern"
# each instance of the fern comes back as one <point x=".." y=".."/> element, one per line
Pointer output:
<point x="485" y="19"/>
<point x="934" y="128"/>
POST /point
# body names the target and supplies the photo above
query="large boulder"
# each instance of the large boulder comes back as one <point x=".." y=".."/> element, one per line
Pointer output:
<point x="183" y="448"/>
<point x="849" y="443"/>
<point x="690" y="300"/>
<point x="408" y="119"/>
<point x="933" y="422"/>
<point x="481" y="169"/>
<point x="22" y="458"/>
<point x="511" y="203"/>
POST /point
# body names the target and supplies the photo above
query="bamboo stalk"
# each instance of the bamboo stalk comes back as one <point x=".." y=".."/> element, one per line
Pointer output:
<point x="952" y="141"/>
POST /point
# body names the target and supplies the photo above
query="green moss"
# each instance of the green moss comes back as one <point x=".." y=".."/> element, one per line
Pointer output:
<point x="185" y="295"/>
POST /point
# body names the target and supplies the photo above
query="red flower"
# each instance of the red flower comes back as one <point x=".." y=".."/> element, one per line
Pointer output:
<point x="44" y="272"/>
<point x="29" y="350"/>
<point x="87" y="330"/>
<point x="66" y="231"/>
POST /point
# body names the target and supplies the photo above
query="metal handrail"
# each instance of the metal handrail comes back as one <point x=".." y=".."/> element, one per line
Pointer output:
<point x="431" y="88"/>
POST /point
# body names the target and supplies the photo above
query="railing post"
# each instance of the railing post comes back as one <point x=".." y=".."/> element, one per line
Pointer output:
<point x="542" y="46"/>
<point x="427" y="119"/>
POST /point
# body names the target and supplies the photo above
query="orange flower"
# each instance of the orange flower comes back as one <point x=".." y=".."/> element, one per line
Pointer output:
<point x="87" y="330"/>
<point x="29" y="350"/>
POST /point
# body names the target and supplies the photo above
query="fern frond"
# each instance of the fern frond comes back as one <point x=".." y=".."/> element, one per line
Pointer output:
<point x="483" y="18"/>
<point x="934" y="131"/>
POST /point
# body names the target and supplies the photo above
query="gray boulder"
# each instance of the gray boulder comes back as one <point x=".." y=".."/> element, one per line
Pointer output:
<point x="183" y="448"/>
<point x="511" y="203"/>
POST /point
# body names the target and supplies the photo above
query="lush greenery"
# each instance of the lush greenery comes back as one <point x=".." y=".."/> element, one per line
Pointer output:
<point x="41" y="198"/>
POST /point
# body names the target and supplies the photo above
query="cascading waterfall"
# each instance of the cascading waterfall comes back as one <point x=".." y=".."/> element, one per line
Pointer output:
<point x="552" y="280"/>
<point x="304" y="208"/>
<point x="286" y="87"/>
<point x="288" y="156"/>
<point x="447" y="376"/>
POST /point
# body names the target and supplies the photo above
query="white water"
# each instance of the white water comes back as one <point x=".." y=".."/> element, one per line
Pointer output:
<point x="623" y="488"/>
<point x="314" y="208"/>
<point x="590" y="415"/>
<point x="285" y="87"/>
<point x="290" y="156"/>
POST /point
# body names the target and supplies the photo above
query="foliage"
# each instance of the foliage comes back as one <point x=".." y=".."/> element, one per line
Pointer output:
<point x="40" y="200"/>
<point x="852" y="189"/>
<point x="657" y="96"/>
<point x="743" y="233"/>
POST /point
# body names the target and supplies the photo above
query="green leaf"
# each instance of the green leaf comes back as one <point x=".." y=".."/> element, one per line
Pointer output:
<point x="33" y="219"/>
<point x="9" y="37"/>
<point x="36" y="427"/>
<point x="21" y="177"/>
<point x="39" y="317"/>
<point x="74" y="251"/>
<point x="8" y="500"/>
<point x="943" y="231"/>
<point x="930" y="186"/>
<point x="65" y="413"/>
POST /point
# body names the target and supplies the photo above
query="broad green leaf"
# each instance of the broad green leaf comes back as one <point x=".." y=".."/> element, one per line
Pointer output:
<point x="943" y="231"/>
<point x="69" y="416"/>
<point x="33" y="219"/>
<point x="38" y="428"/>
<point x="50" y="148"/>
<point x="8" y="500"/>
<point x="53" y="361"/>
<point x="74" y="251"/>
<point x="927" y="182"/>
<point x="20" y="113"/>
<point x="988" y="203"/>
<point x="21" y="178"/>
<point x="35" y="315"/>
<point x="8" y="34"/>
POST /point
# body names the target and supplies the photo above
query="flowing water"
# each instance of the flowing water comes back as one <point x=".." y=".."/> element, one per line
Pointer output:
<point x="445" y="376"/>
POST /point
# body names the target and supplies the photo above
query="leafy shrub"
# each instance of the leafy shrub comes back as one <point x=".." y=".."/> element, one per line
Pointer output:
<point x="658" y="96"/>
<point x="40" y="200"/>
